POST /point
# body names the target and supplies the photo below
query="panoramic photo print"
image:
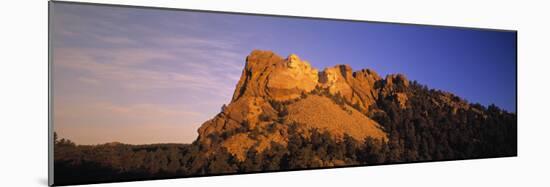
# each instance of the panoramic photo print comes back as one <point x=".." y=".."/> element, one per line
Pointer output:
<point x="145" y="93"/>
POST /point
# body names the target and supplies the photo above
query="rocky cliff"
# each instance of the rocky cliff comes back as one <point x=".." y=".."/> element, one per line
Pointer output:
<point x="287" y="115"/>
<point x="274" y="92"/>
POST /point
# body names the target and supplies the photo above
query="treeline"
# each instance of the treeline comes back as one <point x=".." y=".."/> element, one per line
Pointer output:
<point x="426" y="131"/>
<point x="431" y="131"/>
<point x="76" y="164"/>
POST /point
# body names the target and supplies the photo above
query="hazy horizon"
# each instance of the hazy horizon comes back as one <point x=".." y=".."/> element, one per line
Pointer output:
<point x="145" y="76"/>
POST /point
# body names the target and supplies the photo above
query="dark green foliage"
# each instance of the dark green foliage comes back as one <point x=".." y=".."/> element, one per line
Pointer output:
<point x="281" y="108"/>
<point x="424" y="132"/>
<point x="110" y="162"/>
<point x="283" y="112"/>
<point x="373" y="151"/>
<point x="264" y="117"/>
<point x="222" y="162"/>
<point x="273" y="157"/>
<point x="338" y="99"/>
<point x="253" y="161"/>
<point x="303" y="95"/>
<point x="215" y="137"/>
<point x="428" y="131"/>
<point x="62" y="142"/>
<point x="271" y="128"/>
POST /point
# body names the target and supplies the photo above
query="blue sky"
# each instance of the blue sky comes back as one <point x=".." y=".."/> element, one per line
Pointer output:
<point x="152" y="76"/>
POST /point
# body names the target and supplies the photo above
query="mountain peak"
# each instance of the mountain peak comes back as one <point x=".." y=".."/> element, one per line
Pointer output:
<point x="269" y="76"/>
<point x="287" y="115"/>
<point x="275" y="92"/>
<point x="293" y="59"/>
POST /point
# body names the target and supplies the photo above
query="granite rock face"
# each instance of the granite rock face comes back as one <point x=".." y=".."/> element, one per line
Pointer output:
<point x="270" y="76"/>
<point x="274" y="92"/>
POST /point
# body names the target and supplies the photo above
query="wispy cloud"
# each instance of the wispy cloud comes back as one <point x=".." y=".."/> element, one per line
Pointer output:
<point x="128" y="68"/>
<point x="99" y="60"/>
<point x="195" y="42"/>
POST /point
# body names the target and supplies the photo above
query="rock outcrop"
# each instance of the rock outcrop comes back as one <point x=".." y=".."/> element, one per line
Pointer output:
<point x="274" y="92"/>
<point x="268" y="75"/>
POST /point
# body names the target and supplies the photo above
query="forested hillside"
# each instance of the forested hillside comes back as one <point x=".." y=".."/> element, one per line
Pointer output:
<point x="330" y="118"/>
